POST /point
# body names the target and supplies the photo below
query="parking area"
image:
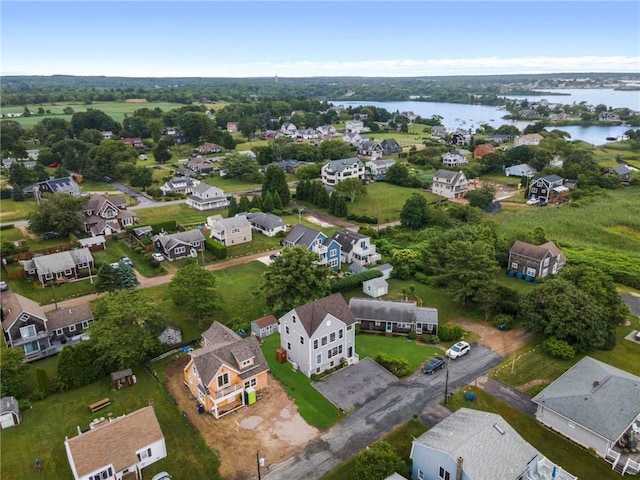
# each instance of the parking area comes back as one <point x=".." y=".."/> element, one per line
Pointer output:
<point x="355" y="385"/>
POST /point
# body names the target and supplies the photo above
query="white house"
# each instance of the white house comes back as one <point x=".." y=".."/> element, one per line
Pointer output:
<point x="9" y="412"/>
<point x="356" y="248"/>
<point x="116" y="447"/>
<point x="476" y="445"/>
<point x="335" y="171"/>
<point x="530" y="139"/>
<point x="376" y="287"/>
<point x="179" y="185"/>
<point x="356" y="126"/>
<point x="449" y="184"/>
<point x="521" y="170"/>
<point x="454" y="158"/>
<point x="379" y="167"/>
<point x="266" y="223"/>
<point x="265" y="326"/>
<point x="207" y="197"/>
<point x="319" y="335"/>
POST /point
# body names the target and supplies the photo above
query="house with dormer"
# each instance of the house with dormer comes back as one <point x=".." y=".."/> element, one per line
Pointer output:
<point x="266" y="223"/>
<point x="317" y="242"/>
<point x="107" y="215"/>
<point x="288" y="129"/>
<point x="390" y="146"/>
<point x="548" y="189"/>
<point x="353" y="138"/>
<point x="450" y="184"/>
<point x="319" y="335"/>
<point x="227" y="372"/>
<point x="454" y="159"/>
<point x="229" y="231"/>
<point x="393" y="317"/>
<point x="117" y="448"/>
<point x="56" y="185"/>
<point x="335" y="171"/>
<point x="24" y="324"/>
<point x="356" y="248"/>
<point x="179" y="245"/>
<point x="378" y="168"/>
<point x="207" y="197"/>
<point x="528" y="260"/>
<point x="461" y="137"/>
<point x="60" y="267"/>
<point x="181" y="185"/>
<point x="370" y="149"/>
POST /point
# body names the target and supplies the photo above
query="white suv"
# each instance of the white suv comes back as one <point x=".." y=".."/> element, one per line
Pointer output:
<point x="458" y="350"/>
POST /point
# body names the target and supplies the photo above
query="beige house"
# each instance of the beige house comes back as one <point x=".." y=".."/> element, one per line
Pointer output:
<point x="450" y="184"/>
<point x="229" y="231"/>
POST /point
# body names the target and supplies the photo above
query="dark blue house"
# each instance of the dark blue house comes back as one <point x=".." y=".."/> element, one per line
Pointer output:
<point x="317" y="242"/>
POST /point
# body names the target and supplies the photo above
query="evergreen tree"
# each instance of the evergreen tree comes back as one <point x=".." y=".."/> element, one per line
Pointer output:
<point x="267" y="204"/>
<point x="302" y="190"/>
<point x="127" y="276"/>
<point x="244" y="205"/>
<point x="338" y="206"/>
<point x="275" y="180"/>
<point x="323" y="197"/>
<point x="233" y="207"/>
<point x="107" y="279"/>
<point x="256" y="202"/>
<point x="17" y="194"/>
<point x="277" y="202"/>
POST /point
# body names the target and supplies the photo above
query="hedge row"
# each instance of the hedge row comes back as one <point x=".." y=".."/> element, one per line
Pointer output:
<point x="354" y="280"/>
<point x="219" y="250"/>
<point x="362" y="218"/>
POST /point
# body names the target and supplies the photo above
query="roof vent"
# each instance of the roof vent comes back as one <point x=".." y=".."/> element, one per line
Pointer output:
<point x="596" y="383"/>
<point x="498" y="428"/>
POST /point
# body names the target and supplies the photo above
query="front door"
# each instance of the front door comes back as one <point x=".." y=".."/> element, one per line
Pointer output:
<point x="389" y="327"/>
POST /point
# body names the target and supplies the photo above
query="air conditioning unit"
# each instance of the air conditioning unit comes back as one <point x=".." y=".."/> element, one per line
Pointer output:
<point x="294" y="365"/>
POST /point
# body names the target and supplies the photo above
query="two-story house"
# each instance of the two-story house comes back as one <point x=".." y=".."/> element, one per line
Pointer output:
<point x="352" y="138"/>
<point x="328" y="249"/>
<point x="182" y="185"/>
<point x="530" y="139"/>
<point x="390" y="146"/>
<point x="207" y="197"/>
<point x="107" y="215"/>
<point x="117" y="448"/>
<point x="60" y="266"/>
<point x="454" y="158"/>
<point x="356" y="248"/>
<point x="201" y="165"/>
<point x="370" y="149"/>
<point x="449" y="184"/>
<point x="394" y="317"/>
<point x="319" y="335"/>
<point x="533" y="261"/>
<point x="460" y="137"/>
<point x="57" y="185"/>
<point x="608" y="117"/>
<point x="438" y="131"/>
<point x="229" y="231"/>
<point x="378" y="168"/>
<point x="227" y="372"/>
<point x="548" y="189"/>
<point x="335" y="171"/>
<point x="179" y="245"/>
<point x="356" y="126"/>
<point x="24" y="324"/>
<point x="326" y="130"/>
<point x="476" y="445"/>
<point x="266" y="223"/>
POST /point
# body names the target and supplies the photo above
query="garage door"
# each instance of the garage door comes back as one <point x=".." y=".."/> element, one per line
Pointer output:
<point x="6" y="421"/>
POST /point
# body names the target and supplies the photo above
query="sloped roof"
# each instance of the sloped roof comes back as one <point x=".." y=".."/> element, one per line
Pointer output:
<point x="483" y="149"/>
<point x="219" y="335"/>
<point x="314" y="313"/>
<point x="187" y="237"/>
<point x="265" y="220"/>
<point x="60" y="261"/>
<point x="487" y="452"/>
<point x="340" y="165"/>
<point x="595" y="395"/>
<point x="537" y="252"/>
<point x="302" y="235"/>
<point x="265" y="321"/>
<point x="347" y="239"/>
<point x="9" y="404"/>
<point x="63" y="317"/>
<point x="383" y="310"/>
<point x="202" y="188"/>
<point x="115" y="442"/>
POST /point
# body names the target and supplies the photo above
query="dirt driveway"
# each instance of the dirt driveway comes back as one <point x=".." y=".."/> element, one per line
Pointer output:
<point x="501" y="342"/>
<point x="272" y="425"/>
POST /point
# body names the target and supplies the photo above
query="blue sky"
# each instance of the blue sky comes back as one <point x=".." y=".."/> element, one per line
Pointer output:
<point x="307" y="38"/>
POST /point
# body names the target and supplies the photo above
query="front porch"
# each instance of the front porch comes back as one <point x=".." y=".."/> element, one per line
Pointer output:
<point x="623" y="460"/>
<point x="227" y="400"/>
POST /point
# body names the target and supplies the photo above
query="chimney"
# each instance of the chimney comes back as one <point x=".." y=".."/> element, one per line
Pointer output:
<point x="459" y="469"/>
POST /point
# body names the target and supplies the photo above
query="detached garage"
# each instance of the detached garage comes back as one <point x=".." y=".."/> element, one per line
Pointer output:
<point x="9" y="413"/>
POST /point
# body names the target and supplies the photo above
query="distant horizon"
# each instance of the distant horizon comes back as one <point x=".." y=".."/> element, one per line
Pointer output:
<point x="262" y="39"/>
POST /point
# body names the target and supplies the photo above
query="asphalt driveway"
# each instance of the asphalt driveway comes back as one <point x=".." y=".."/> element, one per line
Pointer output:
<point x="354" y="386"/>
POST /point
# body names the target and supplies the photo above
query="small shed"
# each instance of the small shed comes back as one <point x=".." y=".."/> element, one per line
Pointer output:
<point x="265" y="326"/>
<point x="123" y="378"/>
<point x="376" y="287"/>
<point x="9" y="412"/>
<point x="386" y="269"/>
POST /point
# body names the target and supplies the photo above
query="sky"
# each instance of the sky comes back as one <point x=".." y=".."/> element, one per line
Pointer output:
<point x="317" y="38"/>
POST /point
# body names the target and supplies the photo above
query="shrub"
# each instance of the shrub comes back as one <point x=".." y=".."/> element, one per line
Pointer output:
<point x="7" y="226"/>
<point x="396" y="365"/>
<point x="558" y="349"/>
<point x="352" y="281"/>
<point x="362" y="218"/>
<point x="153" y="263"/>
<point x="37" y="395"/>
<point x="411" y="335"/>
<point x="450" y="333"/>
<point x="422" y="278"/>
<point x="219" y="250"/>
<point x="427" y="338"/>
<point x="6" y="193"/>
<point x="504" y="320"/>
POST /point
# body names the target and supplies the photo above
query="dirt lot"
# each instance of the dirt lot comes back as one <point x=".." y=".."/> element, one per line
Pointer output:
<point x="503" y="343"/>
<point x="271" y="425"/>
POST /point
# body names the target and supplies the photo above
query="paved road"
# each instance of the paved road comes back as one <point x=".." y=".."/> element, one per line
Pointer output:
<point x="395" y="406"/>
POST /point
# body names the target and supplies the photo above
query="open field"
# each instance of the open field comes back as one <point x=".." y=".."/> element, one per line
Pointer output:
<point x="181" y="213"/>
<point x="11" y="211"/>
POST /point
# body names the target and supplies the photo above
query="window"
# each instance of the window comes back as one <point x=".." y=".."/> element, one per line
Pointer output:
<point x="85" y="324"/>
<point x="349" y="327"/>
<point x="179" y="250"/>
<point x="318" y="359"/>
<point x="286" y="329"/>
<point x="28" y="331"/>
<point x="315" y="344"/>
<point x="235" y="230"/>
<point x="420" y="475"/>
<point x="531" y="272"/>
<point x="546" y="262"/>
<point x="443" y="474"/>
<point x="246" y="363"/>
<point x="514" y="265"/>
<point x="58" y="331"/>
<point x="143" y="454"/>
<point x="301" y="340"/>
<point x="288" y="345"/>
<point x="340" y="333"/>
<point x="72" y="328"/>
<point x="67" y="272"/>
<point x="251" y="383"/>
<point x="223" y="380"/>
<point x="324" y="341"/>
<point x="332" y="337"/>
<point x="377" y="323"/>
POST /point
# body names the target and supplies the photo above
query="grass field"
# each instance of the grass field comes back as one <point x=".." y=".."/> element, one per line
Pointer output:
<point x="369" y="345"/>
<point x="181" y="213"/>
<point x="44" y="427"/>
<point x="11" y="211"/>
<point x="556" y="448"/>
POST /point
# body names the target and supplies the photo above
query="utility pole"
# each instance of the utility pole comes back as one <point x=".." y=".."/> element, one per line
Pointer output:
<point x="53" y="291"/>
<point x="258" y="462"/>
<point x="446" y="381"/>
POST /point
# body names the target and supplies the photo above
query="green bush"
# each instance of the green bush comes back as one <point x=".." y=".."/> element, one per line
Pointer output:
<point x="505" y="320"/>
<point x="7" y="226"/>
<point x="427" y="338"/>
<point x="362" y="218"/>
<point x="219" y="250"/>
<point x="422" y="278"/>
<point x="558" y="349"/>
<point x="6" y="193"/>
<point x="354" y="280"/>
<point x="396" y="365"/>
<point x="450" y="333"/>
<point x="411" y="335"/>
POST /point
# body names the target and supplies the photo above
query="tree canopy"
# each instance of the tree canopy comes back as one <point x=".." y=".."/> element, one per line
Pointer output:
<point x="351" y="188"/>
<point x="58" y="212"/>
<point x="275" y="181"/>
<point x="415" y="213"/>
<point x="377" y="462"/>
<point x="194" y="289"/>
<point x="238" y="165"/>
<point x="294" y="278"/>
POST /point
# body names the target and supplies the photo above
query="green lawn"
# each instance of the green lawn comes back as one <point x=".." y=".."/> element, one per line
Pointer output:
<point x="45" y="425"/>
<point x="400" y="439"/>
<point x="11" y="211"/>
<point x="32" y="289"/>
<point x="556" y="448"/>
<point x="316" y="410"/>
<point x="369" y="345"/>
<point x="181" y="213"/>
<point x="231" y="184"/>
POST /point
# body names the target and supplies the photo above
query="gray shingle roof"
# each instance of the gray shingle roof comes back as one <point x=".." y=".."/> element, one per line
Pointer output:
<point x="13" y="305"/>
<point x="340" y="165"/>
<point x="301" y="235"/>
<point x="59" y="262"/>
<point x="347" y="239"/>
<point x="313" y="314"/>
<point x="188" y="237"/>
<point x="486" y="452"/>
<point x="372" y="309"/>
<point x="537" y="252"/>
<point x="9" y="404"/>
<point x="595" y="395"/>
<point x="64" y="317"/>
<point x="265" y="220"/>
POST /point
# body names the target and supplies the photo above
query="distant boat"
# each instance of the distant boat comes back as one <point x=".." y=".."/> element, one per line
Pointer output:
<point x="611" y="139"/>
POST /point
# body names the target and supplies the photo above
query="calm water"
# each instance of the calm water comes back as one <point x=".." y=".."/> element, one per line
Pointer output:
<point x="593" y="96"/>
<point x="456" y="115"/>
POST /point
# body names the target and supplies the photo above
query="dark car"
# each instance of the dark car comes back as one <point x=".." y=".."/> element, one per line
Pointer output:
<point x="435" y="363"/>
<point x="50" y="235"/>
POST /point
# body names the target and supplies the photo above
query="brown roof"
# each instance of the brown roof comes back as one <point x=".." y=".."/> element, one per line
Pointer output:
<point x="219" y="335"/>
<point x="537" y="252"/>
<point x="266" y="321"/>
<point x="313" y="314"/>
<point x="484" y="149"/>
<point x="64" y="317"/>
<point x="115" y="442"/>
<point x="13" y="305"/>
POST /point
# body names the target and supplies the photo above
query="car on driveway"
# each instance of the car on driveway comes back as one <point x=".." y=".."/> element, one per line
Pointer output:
<point x="432" y="365"/>
<point x="161" y="476"/>
<point x="158" y="257"/>
<point x="126" y="261"/>
<point x="4" y="286"/>
<point x="458" y="350"/>
<point x="533" y="201"/>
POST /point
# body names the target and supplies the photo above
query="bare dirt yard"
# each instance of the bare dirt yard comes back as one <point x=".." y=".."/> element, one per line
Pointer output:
<point x="501" y="342"/>
<point x="271" y="425"/>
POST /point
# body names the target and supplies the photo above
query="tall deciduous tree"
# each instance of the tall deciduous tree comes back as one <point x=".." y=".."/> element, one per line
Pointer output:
<point x="294" y="278"/>
<point x="377" y="462"/>
<point x="415" y="213"/>
<point x="238" y="165"/>
<point x="194" y="289"/>
<point x="13" y="372"/>
<point x="126" y="328"/>
<point x="161" y="152"/>
<point x="58" y="212"/>
<point x="481" y="197"/>
<point x="107" y="279"/>
<point x="351" y="188"/>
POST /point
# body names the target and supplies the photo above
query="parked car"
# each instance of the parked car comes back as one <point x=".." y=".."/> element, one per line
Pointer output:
<point x="4" y="286"/>
<point x="126" y="261"/>
<point x="432" y="365"/>
<point x="533" y="201"/>
<point x="273" y="256"/>
<point x="458" y="350"/>
<point x="157" y="256"/>
<point x="50" y="235"/>
<point x="161" y="476"/>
